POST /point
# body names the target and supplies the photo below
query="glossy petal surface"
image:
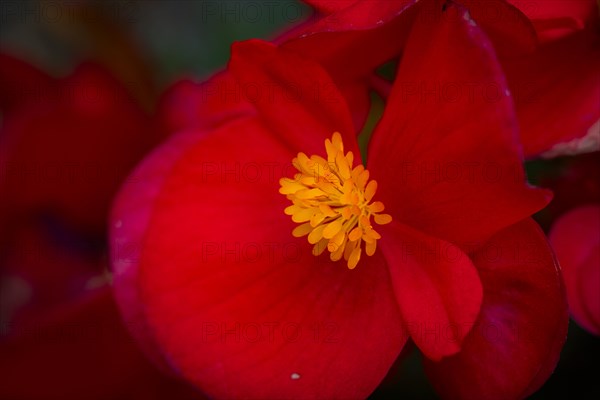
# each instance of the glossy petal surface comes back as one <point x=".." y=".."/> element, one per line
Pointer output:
<point x="445" y="152"/>
<point x="437" y="287"/>
<point x="239" y="306"/>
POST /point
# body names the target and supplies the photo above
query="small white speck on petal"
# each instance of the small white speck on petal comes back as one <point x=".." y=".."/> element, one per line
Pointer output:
<point x="295" y="376"/>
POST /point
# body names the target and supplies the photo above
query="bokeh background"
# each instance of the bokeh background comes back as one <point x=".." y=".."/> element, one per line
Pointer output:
<point x="149" y="45"/>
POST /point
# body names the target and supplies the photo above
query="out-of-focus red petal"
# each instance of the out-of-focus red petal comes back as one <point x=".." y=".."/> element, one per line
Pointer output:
<point x="294" y="96"/>
<point x="556" y="90"/>
<point x="517" y="339"/>
<point x="240" y="307"/>
<point x="81" y="351"/>
<point x="188" y="104"/>
<point x="446" y="152"/>
<point x="558" y="18"/>
<point x="68" y="152"/>
<point x="437" y="288"/>
<point x="21" y="82"/>
<point x="576" y="240"/>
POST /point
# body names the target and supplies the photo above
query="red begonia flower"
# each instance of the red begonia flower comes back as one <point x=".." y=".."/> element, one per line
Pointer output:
<point x="560" y="75"/>
<point x="576" y="240"/>
<point x="227" y="297"/>
<point x="67" y="144"/>
<point x="81" y="350"/>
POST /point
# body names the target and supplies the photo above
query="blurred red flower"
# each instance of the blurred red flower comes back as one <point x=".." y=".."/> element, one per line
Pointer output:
<point x="66" y="145"/>
<point x="217" y="296"/>
<point x="81" y="350"/>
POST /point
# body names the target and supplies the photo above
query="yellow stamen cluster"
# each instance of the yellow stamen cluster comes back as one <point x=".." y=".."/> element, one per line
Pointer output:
<point x="332" y="202"/>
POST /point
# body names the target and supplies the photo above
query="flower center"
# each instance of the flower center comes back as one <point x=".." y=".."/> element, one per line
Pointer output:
<point x="332" y="202"/>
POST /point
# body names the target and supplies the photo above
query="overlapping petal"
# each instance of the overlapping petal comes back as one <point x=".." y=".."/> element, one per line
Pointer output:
<point x="365" y="27"/>
<point x="294" y="96"/>
<point x="239" y="307"/>
<point x="538" y="76"/>
<point x="445" y="152"/>
<point x="516" y="341"/>
<point x="437" y="288"/>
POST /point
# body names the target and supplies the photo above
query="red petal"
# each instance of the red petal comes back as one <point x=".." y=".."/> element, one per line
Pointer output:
<point x="21" y="82"/>
<point x="361" y="33"/>
<point x="445" y="153"/>
<point x="437" y="288"/>
<point x="556" y="91"/>
<point x="218" y="260"/>
<point x="130" y="218"/>
<point x="294" y="96"/>
<point x="576" y="240"/>
<point x="367" y="50"/>
<point x="509" y="29"/>
<point x="522" y="326"/>
<point x="81" y="352"/>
